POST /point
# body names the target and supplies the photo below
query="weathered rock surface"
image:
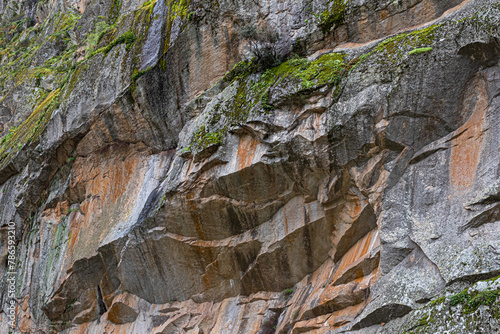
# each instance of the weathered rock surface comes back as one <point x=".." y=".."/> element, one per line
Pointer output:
<point x="158" y="180"/>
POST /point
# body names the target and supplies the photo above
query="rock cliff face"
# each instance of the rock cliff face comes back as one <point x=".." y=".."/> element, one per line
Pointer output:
<point x="231" y="166"/>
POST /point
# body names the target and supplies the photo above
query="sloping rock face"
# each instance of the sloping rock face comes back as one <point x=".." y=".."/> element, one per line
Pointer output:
<point x="155" y="178"/>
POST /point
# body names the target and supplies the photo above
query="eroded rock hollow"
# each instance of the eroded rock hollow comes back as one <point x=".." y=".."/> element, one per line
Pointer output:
<point x="231" y="166"/>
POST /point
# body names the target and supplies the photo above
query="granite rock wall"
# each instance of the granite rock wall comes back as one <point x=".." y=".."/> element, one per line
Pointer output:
<point x="158" y="179"/>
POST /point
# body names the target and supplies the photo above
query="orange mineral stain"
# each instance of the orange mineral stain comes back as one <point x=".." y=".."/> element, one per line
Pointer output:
<point x="466" y="147"/>
<point x="357" y="252"/>
<point x="355" y="207"/>
<point x="246" y="151"/>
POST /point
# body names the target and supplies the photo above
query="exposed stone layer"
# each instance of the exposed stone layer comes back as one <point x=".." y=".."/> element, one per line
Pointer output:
<point x="160" y="181"/>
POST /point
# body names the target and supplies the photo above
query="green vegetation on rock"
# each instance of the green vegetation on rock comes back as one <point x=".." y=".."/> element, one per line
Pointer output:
<point x="472" y="300"/>
<point x="101" y="28"/>
<point x="394" y="48"/>
<point x="287" y="293"/>
<point x="419" y="50"/>
<point x="21" y="65"/>
<point x="139" y="74"/>
<point x="149" y="3"/>
<point x="127" y="38"/>
<point x="19" y="48"/>
<point x="178" y="8"/>
<point x="483" y="298"/>
<point x="202" y="138"/>
<point x="391" y="51"/>
<point x="252" y="92"/>
<point x="459" y="298"/>
<point x="29" y="130"/>
<point x="333" y="15"/>
<point x="459" y="313"/>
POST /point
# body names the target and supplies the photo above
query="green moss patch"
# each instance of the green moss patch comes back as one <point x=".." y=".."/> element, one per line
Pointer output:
<point x="471" y="301"/>
<point x="101" y="28"/>
<point x="252" y="92"/>
<point x="287" y="293"/>
<point x="18" y="49"/>
<point x="149" y="3"/>
<point x="441" y="314"/>
<point x="395" y="48"/>
<point x="333" y="16"/>
<point x="459" y="298"/>
<point x="139" y="74"/>
<point x="179" y="8"/>
<point x="483" y="298"/>
<point x="419" y="50"/>
<point x="202" y="138"/>
<point x="29" y="130"/>
<point x="127" y="38"/>
<point x="391" y="51"/>
<point x="136" y="75"/>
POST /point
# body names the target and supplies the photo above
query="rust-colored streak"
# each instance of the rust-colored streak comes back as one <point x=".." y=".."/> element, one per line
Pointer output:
<point x="107" y="182"/>
<point x="383" y="15"/>
<point x="344" y="316"/>
<point x="466" y="148"/>
<point x="58" y="213"/>
<point x="360" y="249"/>
<point x="366" y="246"/>
<point x="210" y="59"/>
<point x="355" y="207"/>
<point x="193" y="212"/>
<point x="246" y="151"/>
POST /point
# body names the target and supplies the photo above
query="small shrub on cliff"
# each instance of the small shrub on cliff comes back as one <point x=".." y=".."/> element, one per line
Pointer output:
<point x="287" y="293"/>
<point x="263" y="44"/>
